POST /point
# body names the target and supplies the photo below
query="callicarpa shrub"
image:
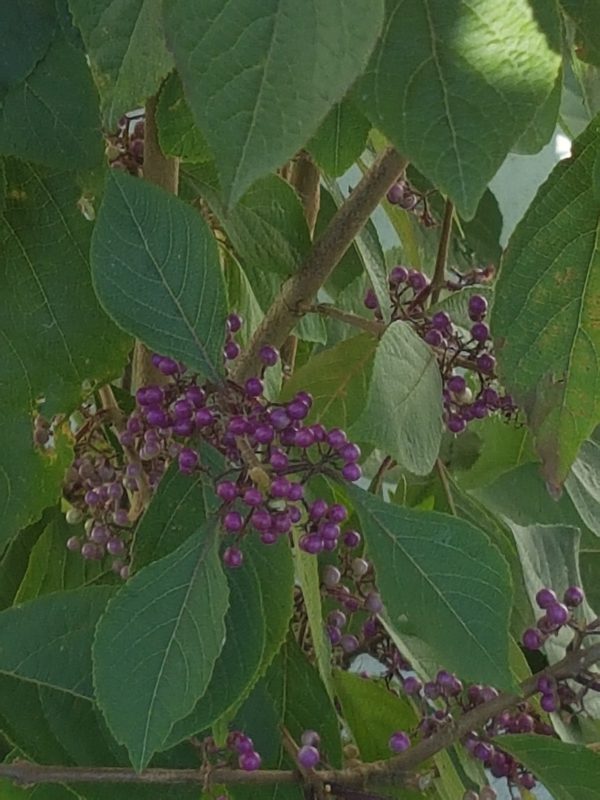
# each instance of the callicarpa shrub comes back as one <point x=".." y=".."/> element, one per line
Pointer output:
<point x="299" y="463"/>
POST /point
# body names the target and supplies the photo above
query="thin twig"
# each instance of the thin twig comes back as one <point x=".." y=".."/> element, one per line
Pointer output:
<point x="326" y="310"/>
<point x="375" y="485"/>
<point x="439" y="274"/>
<point x="398" y="769"/>
<point x="301" y="288"/>
<point x="441" y="471"/>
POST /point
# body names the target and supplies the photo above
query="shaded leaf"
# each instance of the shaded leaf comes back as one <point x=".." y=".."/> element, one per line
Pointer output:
<point x="583" y="485"/>
<point x="546" y="317"/>
<point x="254" y="110"/>
<point x="453" y="85"/>
<point x="542" y="127"/>
<point x="27" y="30"/>
<point x="15" y="559"/>
<point x="341" y="138"/>
<point x="51" y="117"/>
<point x="165" y="628"/>
<point x="405" y="386"/>
<point x="586" y="16"/>
<point x="124" y="41"/>
<point x="568" y="771"/>
<point x="460" y="580"/>
<point x="178" y="134"/>
<point x="156" y="271"/>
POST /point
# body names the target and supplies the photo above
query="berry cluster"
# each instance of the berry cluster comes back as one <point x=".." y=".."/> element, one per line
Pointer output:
<point x="403" y="195"/>
<point x="465" y="357"/>
<point x="125" y="148"/>
<point x="556" y="616"/>
<point x="269" y="450"/>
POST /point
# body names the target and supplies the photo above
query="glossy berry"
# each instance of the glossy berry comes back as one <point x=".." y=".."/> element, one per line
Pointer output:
<point x="351" y="472"/>
<point x="352" y="539"/>
<point x="478" y="306"/>
<point x="310" y="738"/>
<point x="231" y="350"/>
<point x="545" y="598"/>
<point x="398" y="275"/>
<point x="233" y="522"/>
<point x="532" y="639"/>
<point x="395" y="194"/>
<point x="250" y="761"/>
<point x="233" y="558"/>
<point x="434" y="338"/>
<point x="486" y="363"/>
<point x="370" y="300"/>
<point x="412" y="685"/>
<point x="234" y="323"/>
<point x="349" y="643"/>
<point x="188" y="460"/>
<point x="480" y="331"/>
<point x="573" y="596"/>
<point x="269" y="355"/>
<point x="253" y="387"/>
<point x="548" y="703"/>
<point x="73" y="543"/>
<point x="308" y="757"/>
<point x="557" y="614"/>
<point x="399" y="742"/>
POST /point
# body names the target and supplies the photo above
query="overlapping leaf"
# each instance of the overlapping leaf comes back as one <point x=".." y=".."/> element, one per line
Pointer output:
<point x="238" y="64"/>
<point x="156" y="271"/>
<point x="546" y="316"/>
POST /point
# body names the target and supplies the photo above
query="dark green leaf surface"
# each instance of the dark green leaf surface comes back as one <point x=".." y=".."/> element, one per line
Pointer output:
<point x="47" y="349"/>
<point x="447" y="580"/>
<point x="51" y="117"/>
<point x="542" y="127"/>
<point x="238" y="64"/>
<point x="454" y="84"/>
<point x="156" y="271"/>
<point x="27" y="30"/>
<point x="568" y="771"/>
<point x="546" y="316"/>
<point x="124" y="41"/>
<point x="405" y="385"/>
<point x="14" y="561"/>
<point x="260" y="609"/>
<point x="178" y="134"/>
<point x="341" y="138"/>
<point x="164" y="630"/>
<point x="48" y="641"/>
<point x="586" y="16"/>
<point x="583" y="485"/>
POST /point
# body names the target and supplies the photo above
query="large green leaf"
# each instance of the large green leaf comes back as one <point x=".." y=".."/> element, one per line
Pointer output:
<point x="261" y="595"/>
<point x="586" y="16"/>
<point x="568" y="771"/>
<point x="338" y="379"/>
<point x="447" y="580"/>
<point x="454" y="84"/>
<point x="156" y="271"/>
<point x="124" y="41"/>
<point x="583" y="485"/>
<point x="48" y="641"/>
<point x="51" y="116"/>
<point x="54" y="334"/>
<point x="341" y="138"/>
<point x="27" y="30"/>
<point x="403" y="412"/>
<point x="15" y="559"/>
<point x="178" y="135"/>
<point x="256" y="110"/>
<point x="291" y="694"/>
<point x="546" y="318"/>
<point x="164" y="630"/>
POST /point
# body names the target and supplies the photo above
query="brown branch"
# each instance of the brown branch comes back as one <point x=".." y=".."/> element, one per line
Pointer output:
<point x="397" y="769"/>
<point x="439" y="274"/>
<point x="300" y="290"/>
<point x="369" y="325"/>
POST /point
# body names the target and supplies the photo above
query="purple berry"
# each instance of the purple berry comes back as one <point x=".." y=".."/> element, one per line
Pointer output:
<point x="278" y="460"/>
<point x="480" y="332"/>
<point x="204" y="417"/>
<point x="337" y="513"/>
<point x="167" y="366"/>
<point x="527" y="781"/>
<point x="548" y="703"/>
<point x="253" y="387"/>
<point x="253" y="496"/>
<point x="91" y="551"/>
<point x="269" y="355"/>
<point x="317" y="510"/>
<point x="310" y="738"/>
<point x="532" y="639"/>
<point x="373" y="603"/>
<point x="231" y="350"/>
<point x="187" y="460"/>
<point x="349" y="643"/>
<point x="296" y="491"/>
<point x="477" y="306"/>
<point x="233" y="522"/>
<point x="417" y="280"/>
<point x="456" y="424"/>
<point x="99" y="534"/>
<point x="351" y="471"/>
<point x="264" y="434"/>
<point x="398" y="275"/>
<point x="227" y="491"/>
<point x="115" y="546"/>
<point x="196" y="396"/>
<point x="557" y="614"/>
<point x="370" y="300"/>
<point x="483" y="751"/>
<point x="441" y="321"/>
<point x="297" y="409"/>
<point x="280" y="487"/>
<point x="434" y="338"/>
<point x="337" y="618"/>
<point x="412" y="685"/>
<point x="244" y="744"/>
<point x="350" y="452"/>
<point x="486" y="363"/>
<point x="234" y="323"/>
<point x="546" y="598"/>
<point x="330" y="531"/>
<point x="545" y="684"/>
<point x="395" y="194"/>
<point x="573" y="596"/>
<point x="334" y="635"/>
<point x="73" y="543"/>
<point x="352" y="539"/>
<point x="308" y="757"/>
<point x="304" y="438"/>
<point x="261" y="519"/>
<point x="233" y="558"/>
<point x="399" y="742"/>
<point x="250" y="761"/>
<point x="336" y="438"/>
<point x="311" y="543"/>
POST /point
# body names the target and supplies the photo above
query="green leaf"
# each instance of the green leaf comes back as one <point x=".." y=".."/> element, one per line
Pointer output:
<point x="167" y="625"/>
<point x="156" y="271"/>
<point x="179" y="505"/>
<point x="341" y="138"/>
<point x="338" y="378"/>
<point x="405" y="386"/>
<point x="456" y="304"/>
<point x="53" y="568"/>
<point x="178" y="134"/>
<point x="291" y="694"/>
<point x="372" y="712"/>
<point x="583" y="485"/>
<point x="51" y="117"/>
<point x="27" y="30"/>
<point x="542" y="127"/>
<point x="568" y="771"/>
<point x="261" y="603"/>
<point x="48" y="641"/>
<point x="254" y="110"/>
<point x="49" y="351"/>
<point x="483" y="232"/>
<point x="545" y="316"/>
<point x="125" y="43"/>
<point x="504" y="446"/>
<point x="454" y="84"/>
<point x="586" y="16"/>
<point x="14" y="561"/>
<point x="446" y="578"/>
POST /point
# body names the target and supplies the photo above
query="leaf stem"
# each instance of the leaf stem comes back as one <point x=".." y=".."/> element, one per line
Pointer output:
<point x="441" y="470"/>
<point x="439" y="274"/>
<point x="301" y="288"/>
<point x="326" y="310"/>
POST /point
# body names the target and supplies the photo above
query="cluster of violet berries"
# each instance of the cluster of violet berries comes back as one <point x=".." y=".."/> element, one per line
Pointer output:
<point x="125" y="148"/>
<point x="403" y="195"/>
<point x="270" y="452"/>
<point x="465" y="358"/>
